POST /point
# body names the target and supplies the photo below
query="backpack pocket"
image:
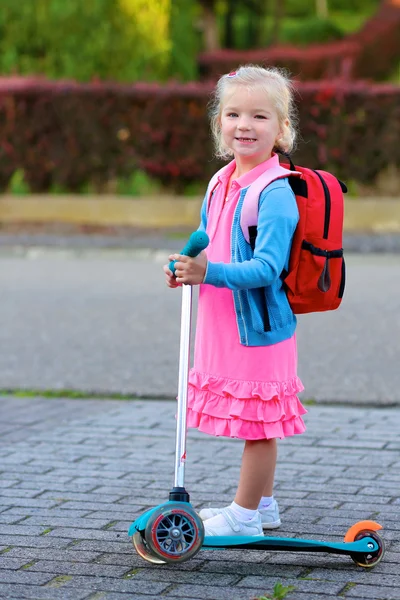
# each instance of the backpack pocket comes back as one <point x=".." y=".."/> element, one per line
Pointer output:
<point x="318" y="267"/>
<point x="318" y="282"/>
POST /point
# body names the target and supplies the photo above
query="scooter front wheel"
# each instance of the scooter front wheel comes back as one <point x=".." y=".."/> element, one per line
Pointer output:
<point x="174" y="534"/>
<point x="143" y="550"/>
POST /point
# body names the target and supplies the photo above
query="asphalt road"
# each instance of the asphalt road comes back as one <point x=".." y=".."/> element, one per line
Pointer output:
<point x="104" y="321"/>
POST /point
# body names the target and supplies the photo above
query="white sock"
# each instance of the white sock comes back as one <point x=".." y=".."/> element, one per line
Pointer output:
<point x="242" y="514"/>
<point x="265" y="502"/>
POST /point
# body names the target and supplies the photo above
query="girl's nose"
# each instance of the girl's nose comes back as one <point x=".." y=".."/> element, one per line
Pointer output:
<point x="243" y="123"/>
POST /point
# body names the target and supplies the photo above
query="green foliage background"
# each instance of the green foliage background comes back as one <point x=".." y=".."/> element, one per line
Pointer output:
<point x="74" y="39"/>
<point x="89" y="39"/>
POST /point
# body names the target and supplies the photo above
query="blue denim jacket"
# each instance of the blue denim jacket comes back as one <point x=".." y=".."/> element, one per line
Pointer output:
<point x="263" y="313"/>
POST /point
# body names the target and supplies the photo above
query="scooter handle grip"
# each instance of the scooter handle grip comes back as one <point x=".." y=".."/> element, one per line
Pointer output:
<point x="197" y="242"/>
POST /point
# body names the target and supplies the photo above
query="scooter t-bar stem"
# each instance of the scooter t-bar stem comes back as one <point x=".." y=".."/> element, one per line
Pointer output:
<point x="198" y="241"/>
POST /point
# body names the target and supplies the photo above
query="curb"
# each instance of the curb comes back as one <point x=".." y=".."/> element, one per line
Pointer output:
<point x="371" y="215"/>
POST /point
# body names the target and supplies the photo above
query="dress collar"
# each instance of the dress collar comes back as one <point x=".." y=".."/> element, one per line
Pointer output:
<point x="248" y="178"/>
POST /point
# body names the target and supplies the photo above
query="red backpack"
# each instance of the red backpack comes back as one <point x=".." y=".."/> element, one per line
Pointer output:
<point x="316" y="277"/>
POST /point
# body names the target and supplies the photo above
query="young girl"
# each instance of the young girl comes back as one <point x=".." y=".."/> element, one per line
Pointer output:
<point x="244" y="381"/>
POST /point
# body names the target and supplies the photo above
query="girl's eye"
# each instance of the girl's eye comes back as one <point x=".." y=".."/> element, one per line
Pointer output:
<point x="260" y="117"/>
<point x="232" y="114"/>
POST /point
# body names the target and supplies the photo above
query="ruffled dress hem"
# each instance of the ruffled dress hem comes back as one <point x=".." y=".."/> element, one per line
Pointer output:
<point x="249" y="410"/>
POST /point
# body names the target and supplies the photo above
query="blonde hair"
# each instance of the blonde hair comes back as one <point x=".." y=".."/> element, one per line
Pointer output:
<point x="279" y="89"/>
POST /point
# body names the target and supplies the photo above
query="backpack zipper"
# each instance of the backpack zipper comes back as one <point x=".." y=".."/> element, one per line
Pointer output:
<point x="327" y="205"/>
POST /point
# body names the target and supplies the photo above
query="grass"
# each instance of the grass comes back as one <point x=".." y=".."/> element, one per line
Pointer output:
<point x="78" y="394"/>
<point x="279" y="592"/>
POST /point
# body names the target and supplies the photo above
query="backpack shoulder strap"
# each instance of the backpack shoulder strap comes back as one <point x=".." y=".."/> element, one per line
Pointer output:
<point x="249" y="213"/>
<point x="213" y="184"/>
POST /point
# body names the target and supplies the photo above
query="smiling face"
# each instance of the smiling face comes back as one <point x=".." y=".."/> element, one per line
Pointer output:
<point x="249" y="124"/>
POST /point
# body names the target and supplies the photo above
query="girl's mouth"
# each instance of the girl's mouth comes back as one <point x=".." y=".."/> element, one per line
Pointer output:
<point x="244" y="140"/>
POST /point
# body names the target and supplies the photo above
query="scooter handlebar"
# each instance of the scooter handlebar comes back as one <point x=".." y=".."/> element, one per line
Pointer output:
<point x="197" y="242"/>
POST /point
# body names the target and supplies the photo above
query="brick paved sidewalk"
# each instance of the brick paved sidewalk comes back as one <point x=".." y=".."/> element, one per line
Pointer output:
<point x="74" y="474"/>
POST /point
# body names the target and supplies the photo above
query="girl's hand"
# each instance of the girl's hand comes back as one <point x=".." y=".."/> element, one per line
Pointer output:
<point x="170" y="279"/>
<point x="190" y="271"/>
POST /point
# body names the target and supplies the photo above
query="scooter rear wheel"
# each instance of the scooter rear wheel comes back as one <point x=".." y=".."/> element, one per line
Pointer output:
<point x="368" y="560"/>
<point x="362" y="530"/>
<point x="174" y="534"/>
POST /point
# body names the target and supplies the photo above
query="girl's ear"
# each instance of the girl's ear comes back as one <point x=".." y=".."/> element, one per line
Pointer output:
<point x="284" y="127"/>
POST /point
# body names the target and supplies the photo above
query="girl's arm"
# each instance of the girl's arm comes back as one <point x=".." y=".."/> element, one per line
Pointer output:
<point x="277" y="220"/>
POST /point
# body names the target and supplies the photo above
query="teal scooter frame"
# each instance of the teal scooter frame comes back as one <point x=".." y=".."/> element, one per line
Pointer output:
<point x="173" y="532"/>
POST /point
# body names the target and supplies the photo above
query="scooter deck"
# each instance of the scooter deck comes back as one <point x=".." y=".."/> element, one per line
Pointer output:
<point x="289" y="544"/>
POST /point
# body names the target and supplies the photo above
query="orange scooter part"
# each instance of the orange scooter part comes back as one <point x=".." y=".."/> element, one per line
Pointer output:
<point x="361" y="526"/>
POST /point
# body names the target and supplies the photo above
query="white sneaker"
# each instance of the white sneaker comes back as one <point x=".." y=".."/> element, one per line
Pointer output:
<point x="269" y="516"/>
<point x="232" y="526"/>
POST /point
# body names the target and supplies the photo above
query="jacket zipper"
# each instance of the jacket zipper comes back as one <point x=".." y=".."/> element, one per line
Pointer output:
<point x="327" y="205"/>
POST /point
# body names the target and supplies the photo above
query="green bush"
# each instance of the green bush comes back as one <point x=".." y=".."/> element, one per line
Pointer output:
<point x="310" y="31"/>
<point x="354" y="5"/>
<point x="185" y="40"/>
<point x="17" y="184"/>
<point x="77" y="40"/>
<point x="307" y="8"/>
<point x="299" y="8"/>
<point x="139" y="183"/>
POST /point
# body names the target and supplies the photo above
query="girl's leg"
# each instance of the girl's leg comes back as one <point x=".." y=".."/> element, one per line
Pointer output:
<point x="257" y="472"/>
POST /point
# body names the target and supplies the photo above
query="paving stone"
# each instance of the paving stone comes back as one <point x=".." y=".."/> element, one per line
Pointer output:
<point x="359" y="576"/>
<point x="74" y="568"/>
<point x="25" y="577"/>
<point x="210" y="592"/>
<point x="39" y="542"/>
<point x="83" y="497"/>
<point x="8" y="592"/>
<point x="67" y="521"/>
<point x="116" y="585"/>
<point x="56" y="487"/>
<point x="28" y="502"/>
<point x="262" y="569"/>
<point x="123" y="544"/>
<point x="7" y="519"/>
<point x="7" y="483"/>
<point x="74" y="533"/>
<point x="372" y="592"/>
<point x="16" y="492"/>
<point x="29" y="554"/>
<point x="12" y="563"/>
<point x="252" y="581"/>
<point x="21" y="530"/>
<point x="43" y="512"/>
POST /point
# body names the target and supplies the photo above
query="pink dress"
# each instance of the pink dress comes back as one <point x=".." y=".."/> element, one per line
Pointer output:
<point x="234" y="390"/>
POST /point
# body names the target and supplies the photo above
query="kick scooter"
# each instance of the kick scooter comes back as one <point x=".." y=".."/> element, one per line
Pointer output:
<point x="173" y="532"/>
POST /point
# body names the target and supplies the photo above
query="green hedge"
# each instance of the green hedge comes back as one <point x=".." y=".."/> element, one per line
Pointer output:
<point x="69" y="135"/>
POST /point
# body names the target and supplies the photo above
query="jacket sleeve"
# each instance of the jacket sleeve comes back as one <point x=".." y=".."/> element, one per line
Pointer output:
<point x="277" y="221"/>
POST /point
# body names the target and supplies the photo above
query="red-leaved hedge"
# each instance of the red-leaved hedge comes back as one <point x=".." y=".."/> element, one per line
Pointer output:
<point x="371" y="53"/>
<point x="69" y="134"/>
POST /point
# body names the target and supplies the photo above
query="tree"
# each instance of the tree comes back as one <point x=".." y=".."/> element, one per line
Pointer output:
<point x="278" y="11"/>
<point x="322" y="8"/>
<point x="210" y="25"/>
<point x="149" y="22"/>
